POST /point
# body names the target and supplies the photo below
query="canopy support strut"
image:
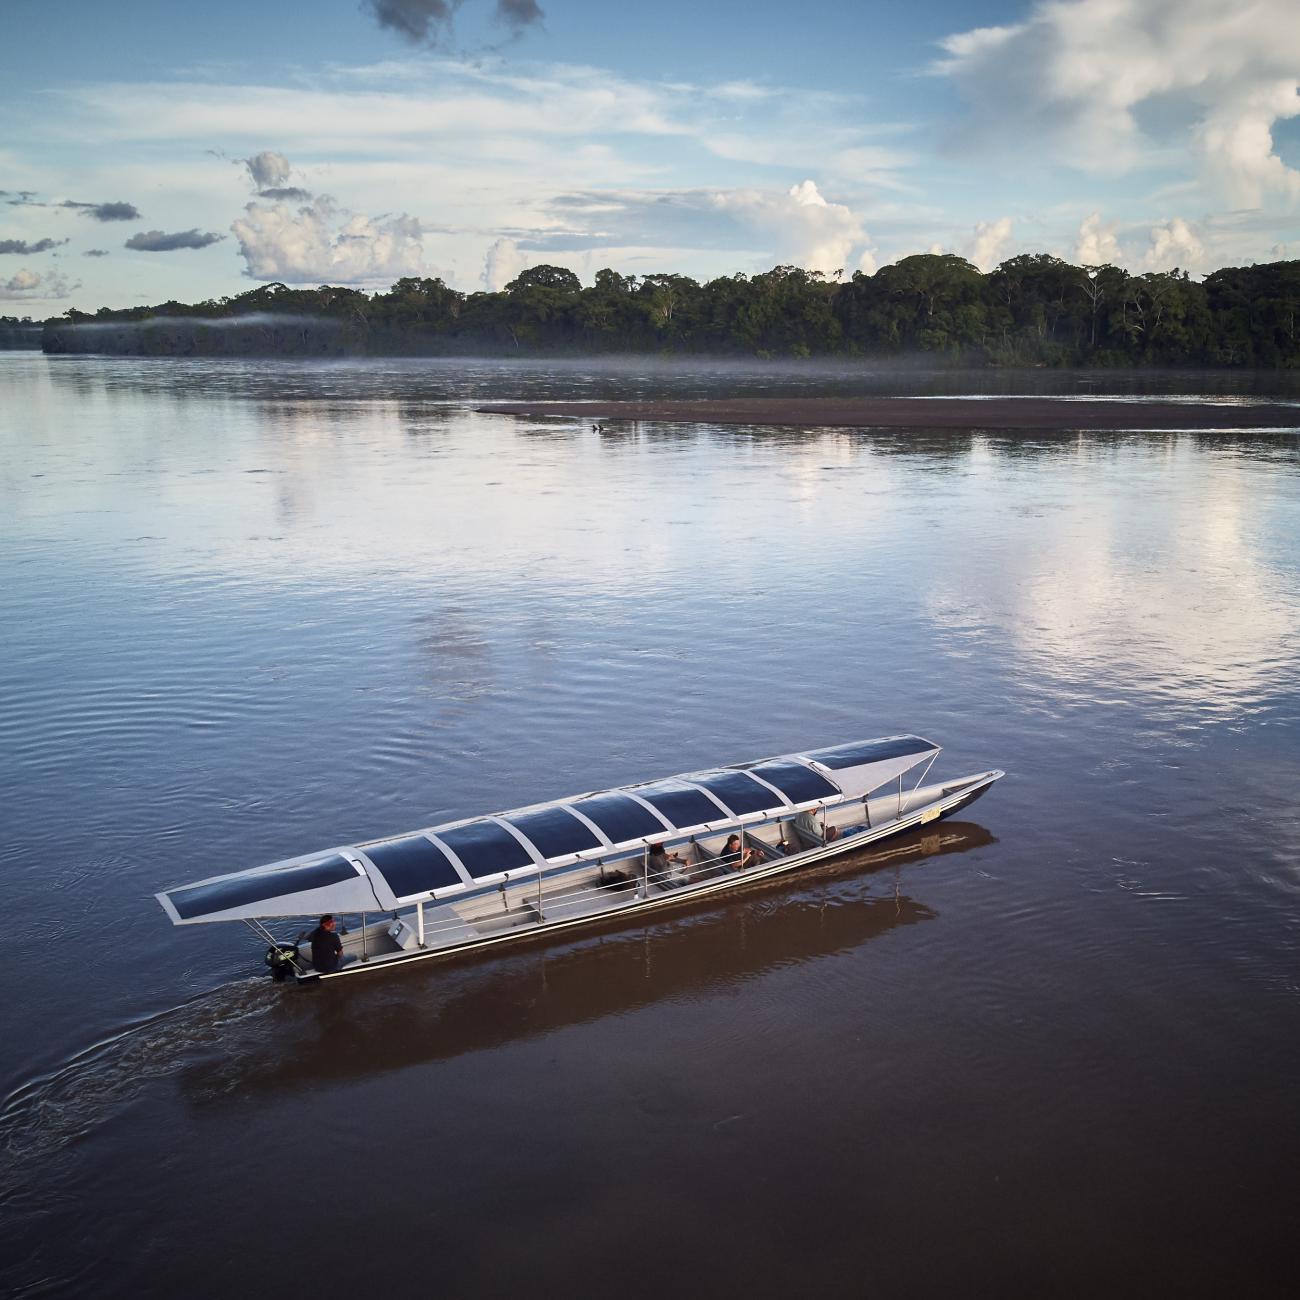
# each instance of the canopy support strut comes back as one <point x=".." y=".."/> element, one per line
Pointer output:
<point x="925" y="771"/>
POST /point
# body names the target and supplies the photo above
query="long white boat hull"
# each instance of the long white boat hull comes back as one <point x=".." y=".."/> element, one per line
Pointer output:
<point x="369" y="949"/>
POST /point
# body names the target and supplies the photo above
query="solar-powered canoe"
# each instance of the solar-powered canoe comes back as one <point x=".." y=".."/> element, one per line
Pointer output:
<point x="489" y="880"/>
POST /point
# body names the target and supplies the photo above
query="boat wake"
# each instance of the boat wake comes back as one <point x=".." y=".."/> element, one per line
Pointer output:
<point x="51" y="1111"/>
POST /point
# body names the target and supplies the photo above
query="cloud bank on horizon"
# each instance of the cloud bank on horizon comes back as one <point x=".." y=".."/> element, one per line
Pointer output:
<point x="1148" y="133"/>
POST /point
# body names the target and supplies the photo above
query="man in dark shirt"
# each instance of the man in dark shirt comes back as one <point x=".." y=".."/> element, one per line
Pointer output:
<point x="326" y="947"/>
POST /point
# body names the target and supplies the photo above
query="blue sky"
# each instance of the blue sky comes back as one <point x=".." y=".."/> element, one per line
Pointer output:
<point x="253" y="142"/>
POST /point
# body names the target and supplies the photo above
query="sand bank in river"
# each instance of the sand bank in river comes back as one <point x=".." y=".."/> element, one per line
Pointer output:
<point x="930" y="412"/>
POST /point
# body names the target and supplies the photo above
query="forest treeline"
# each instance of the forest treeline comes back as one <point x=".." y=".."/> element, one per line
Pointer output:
<point x="19" y="333"/>
<point x="1034" y="309"/>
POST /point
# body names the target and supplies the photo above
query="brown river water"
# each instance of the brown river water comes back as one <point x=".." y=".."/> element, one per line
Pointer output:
<point x="1049" y="1048"/>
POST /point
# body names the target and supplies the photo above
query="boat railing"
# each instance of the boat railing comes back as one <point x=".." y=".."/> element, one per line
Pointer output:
<point x="530" y="903"/>
<point x="539" y="906"/>
<point x="526" y="903"/>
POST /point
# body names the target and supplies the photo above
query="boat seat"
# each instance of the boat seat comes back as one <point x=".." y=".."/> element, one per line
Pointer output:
<point x="699" y="855"/>
<point x="770" y="850"/>
<point x="810" y="839"/>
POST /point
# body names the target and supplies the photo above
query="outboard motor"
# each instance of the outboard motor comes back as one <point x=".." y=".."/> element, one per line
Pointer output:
<point x="280" y="959"/>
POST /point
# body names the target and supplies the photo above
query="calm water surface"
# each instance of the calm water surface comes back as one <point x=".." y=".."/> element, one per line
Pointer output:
<point x="248" y="610"/>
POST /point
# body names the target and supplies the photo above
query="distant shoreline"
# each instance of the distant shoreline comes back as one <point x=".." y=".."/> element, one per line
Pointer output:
<point x="1034" y="310"/>
<point x="926" y="412"/>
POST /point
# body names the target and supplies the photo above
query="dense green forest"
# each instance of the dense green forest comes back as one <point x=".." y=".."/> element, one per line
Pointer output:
<point x="19" y="333"/>
<point x="1032" y="310"/>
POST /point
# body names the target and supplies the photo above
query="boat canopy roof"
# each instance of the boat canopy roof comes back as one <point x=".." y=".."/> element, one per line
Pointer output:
<point x="458" y="857"/>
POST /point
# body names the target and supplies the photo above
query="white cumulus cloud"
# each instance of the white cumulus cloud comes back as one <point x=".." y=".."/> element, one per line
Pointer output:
<point x="990" y="243"/>
<point x="267" y="169"/>
<point x="503" y="262"/>
<point x="1099" y="75"/>
<point x="797" y="226"/>
<point x="805" y="229"/>
<point x="1174" y="244"/>
<point x="322" y="243"/>
<point x="30" y="286"/>
<point x="1096" y="244"/>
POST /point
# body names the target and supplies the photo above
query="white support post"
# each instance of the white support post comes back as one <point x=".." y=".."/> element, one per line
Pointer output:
<point x="925" y="771"/>
<point x="419" y="923"/>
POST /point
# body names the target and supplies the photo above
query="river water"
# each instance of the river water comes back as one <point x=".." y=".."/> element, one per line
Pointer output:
<point x="252" y="609"/>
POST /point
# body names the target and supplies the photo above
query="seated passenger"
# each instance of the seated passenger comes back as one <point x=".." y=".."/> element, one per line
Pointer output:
<point x="813" y="828"/>
<point x="733" y="859"/>
<point x="657" y="862"/>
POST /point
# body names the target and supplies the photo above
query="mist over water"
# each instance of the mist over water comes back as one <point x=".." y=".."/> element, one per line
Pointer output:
<point x="251" y="609"/>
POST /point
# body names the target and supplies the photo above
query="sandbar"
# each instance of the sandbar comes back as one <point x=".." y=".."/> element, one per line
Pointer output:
<point x="1044" y="413"/>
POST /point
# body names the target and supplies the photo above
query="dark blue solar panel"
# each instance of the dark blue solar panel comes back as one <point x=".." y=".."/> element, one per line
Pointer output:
<point x="200" y="900"/>
<point x="619" y="817"/>
<point x="796" y="782"/>
<point x="412" y="865"/>
<point x="555" y="831"/>
<point x="485" y="848"/>
<point x="681" y="804"/>
<point x="871" y="751"/>
<point x="739" y="792"/>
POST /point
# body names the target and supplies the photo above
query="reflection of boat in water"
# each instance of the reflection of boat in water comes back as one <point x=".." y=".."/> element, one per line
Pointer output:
<point x="594" y="857"/>
<point x="483" y="1006"/>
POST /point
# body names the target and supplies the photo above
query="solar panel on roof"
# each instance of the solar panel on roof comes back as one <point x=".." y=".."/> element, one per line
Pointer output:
<point x="554" y="831"/>
<point x="485" y="848"/>
<point x="797" y="782"/>
<point x="621" y="818"/>
<point x="742" y="794"/>
<point x="412" y="865"/>
<point x="221" y="895"/>
<point x="683" y="805"/>
<point x="871" y="751"/>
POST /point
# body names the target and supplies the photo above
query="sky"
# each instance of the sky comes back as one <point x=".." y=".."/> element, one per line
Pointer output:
<point x="153" y="151"/>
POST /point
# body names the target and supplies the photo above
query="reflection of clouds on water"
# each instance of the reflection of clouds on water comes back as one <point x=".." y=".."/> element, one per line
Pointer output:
<point x="1107" y="559"/>
<point x="1162" y="583"/>
<point x="455" y="656"/>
